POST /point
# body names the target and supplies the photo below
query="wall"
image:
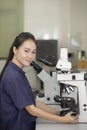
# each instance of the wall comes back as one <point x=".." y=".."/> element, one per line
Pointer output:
<point x="48" y="19"/>
<point x="11" y="23"/>
<point x="58" y="19"/>
<point x="2" y="62"/>
<point x="78" y="22"/>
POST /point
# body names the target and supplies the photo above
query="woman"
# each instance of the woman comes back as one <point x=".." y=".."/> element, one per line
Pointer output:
<point x="19" y="109"/>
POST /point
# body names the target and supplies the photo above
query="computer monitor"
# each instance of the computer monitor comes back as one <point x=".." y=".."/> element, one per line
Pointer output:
<point x="47" y="49"/>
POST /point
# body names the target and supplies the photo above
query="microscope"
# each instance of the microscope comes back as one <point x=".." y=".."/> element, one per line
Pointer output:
<point x="65" y="89"/>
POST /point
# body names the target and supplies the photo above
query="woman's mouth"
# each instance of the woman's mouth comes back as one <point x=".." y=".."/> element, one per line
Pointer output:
<point x="28" y="61"/>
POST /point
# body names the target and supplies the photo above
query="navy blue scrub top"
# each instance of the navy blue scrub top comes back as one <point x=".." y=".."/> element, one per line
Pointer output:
<point x="16" y="94"/>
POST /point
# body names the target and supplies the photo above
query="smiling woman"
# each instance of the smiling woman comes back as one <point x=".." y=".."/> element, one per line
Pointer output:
<point x="15" y="86"/>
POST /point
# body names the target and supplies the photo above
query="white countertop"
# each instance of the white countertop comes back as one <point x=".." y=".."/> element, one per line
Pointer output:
<point x="47" y="125"/>
<point x="53" y="126"/>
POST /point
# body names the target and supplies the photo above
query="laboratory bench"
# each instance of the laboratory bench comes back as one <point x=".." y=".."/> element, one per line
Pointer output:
<point x="47" y="125"/>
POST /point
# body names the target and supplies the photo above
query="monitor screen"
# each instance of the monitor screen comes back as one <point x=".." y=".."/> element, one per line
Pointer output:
<point x="47" y="49"/>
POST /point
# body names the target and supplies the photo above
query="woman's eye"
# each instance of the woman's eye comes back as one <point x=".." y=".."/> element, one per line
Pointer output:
<point x="27" y="51"/>
<point x="34" y="52"/>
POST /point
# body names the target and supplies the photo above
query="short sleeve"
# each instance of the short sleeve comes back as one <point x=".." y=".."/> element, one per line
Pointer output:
<point x="20" y="92"/>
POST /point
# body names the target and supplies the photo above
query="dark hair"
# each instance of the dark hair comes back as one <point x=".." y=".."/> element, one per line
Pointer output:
<point x="17" y="43"/>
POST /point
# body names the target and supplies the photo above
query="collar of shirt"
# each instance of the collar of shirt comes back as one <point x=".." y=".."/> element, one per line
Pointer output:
<point x="16" y="67"/>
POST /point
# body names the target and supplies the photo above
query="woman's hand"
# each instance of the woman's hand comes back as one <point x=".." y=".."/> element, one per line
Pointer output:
<point x="69" y="118"/>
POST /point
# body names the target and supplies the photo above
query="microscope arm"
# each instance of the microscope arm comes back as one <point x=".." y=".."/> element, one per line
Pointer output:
<point x="51" y="87"/>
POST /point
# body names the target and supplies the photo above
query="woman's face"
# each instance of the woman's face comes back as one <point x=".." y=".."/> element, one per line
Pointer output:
<point x="25" y="54"/>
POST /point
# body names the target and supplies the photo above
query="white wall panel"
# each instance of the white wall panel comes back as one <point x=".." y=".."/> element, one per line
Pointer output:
<point x="48" y="19"/>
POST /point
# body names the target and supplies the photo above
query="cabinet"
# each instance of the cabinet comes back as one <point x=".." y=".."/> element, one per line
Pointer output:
<point x="82" y="64"/>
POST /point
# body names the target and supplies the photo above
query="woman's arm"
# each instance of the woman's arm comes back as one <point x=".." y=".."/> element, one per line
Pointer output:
<point x="46" y="108"/>
<point x="33" y="110"/>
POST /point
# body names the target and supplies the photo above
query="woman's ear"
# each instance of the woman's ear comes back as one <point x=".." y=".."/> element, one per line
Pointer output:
<point x="14" y="50"/>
